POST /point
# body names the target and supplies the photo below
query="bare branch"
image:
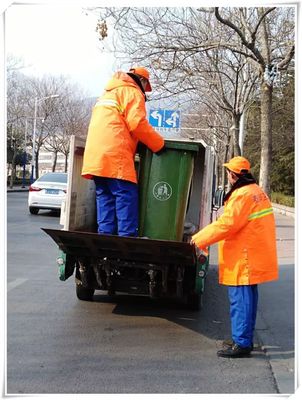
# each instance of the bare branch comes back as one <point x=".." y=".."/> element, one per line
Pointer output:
<point x="250" y="46"/>
<point x="285" y="62"/>
<point x="253" y="35"/>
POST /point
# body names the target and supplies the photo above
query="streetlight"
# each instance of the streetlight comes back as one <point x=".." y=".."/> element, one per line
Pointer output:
<point x="33" y="172"/>
<point x="27" y="117"/>
<point x="24" y="155"/>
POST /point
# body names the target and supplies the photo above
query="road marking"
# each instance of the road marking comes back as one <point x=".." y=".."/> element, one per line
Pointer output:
<point x="15" y="283"/>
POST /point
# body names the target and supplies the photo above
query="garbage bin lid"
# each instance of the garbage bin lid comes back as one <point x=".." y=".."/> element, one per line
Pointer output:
<point x="184" y="146"/>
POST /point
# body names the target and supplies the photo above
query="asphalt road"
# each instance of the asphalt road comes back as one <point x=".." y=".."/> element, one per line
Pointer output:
<point x="130" y="344"/>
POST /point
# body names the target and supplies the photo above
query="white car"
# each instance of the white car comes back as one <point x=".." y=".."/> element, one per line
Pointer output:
<point x="47" y="192"/>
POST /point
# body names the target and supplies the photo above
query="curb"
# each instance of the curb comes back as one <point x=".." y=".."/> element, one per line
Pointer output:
<point x="288" y="211"/>
<point x="17" y="190"/>
<point x="283" y="375"/>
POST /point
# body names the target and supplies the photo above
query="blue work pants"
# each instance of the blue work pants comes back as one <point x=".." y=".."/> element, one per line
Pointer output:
<point x="117" y="206"/>
<point x="243" y="312"/>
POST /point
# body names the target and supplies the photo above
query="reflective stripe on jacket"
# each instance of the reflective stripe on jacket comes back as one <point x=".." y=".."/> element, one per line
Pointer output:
<point x="117" y="123"/>
<point x="247" y="238"/>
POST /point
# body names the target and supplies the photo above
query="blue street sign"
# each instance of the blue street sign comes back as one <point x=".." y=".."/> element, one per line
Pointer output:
<point x="156" y="118"/>
<point x="171" y="119"/>
<point x="164" y="118"/>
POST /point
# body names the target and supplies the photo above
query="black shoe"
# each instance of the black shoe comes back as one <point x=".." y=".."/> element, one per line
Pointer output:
<point x="235" y="352"/>
<point x="228" y="343"/>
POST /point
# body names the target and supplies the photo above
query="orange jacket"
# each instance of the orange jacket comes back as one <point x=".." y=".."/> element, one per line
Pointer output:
<point x="117" y="123"/>
<point x="246" y="235"/>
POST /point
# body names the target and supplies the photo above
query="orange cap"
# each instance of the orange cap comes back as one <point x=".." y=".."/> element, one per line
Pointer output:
<point x="237" y="164"/>
<point x="141" y="71"/>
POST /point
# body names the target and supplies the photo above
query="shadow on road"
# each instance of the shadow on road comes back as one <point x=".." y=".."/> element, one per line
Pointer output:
<point x="212" y="321"/>
<point x="47" y="213"/>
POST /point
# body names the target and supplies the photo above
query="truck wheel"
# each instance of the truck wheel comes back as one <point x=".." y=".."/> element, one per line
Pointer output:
<point x="33" y="210"/>
<point x="194" y="301"/>
<point x="84" y="293"/>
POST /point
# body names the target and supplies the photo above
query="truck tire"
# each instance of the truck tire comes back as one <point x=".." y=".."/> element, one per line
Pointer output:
<point x="33" y="210"/>
<point x="84" y="293"/>
<point x="194" y="301"/>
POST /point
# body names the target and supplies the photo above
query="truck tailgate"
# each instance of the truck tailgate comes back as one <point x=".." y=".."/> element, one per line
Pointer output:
<point x="133" y="249"/>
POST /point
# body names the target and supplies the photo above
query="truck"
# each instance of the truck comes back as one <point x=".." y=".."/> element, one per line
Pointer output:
<point x="175" y="201"/>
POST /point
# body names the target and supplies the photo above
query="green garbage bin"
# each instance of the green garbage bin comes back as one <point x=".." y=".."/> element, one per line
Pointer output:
<point x="165" y="182"/>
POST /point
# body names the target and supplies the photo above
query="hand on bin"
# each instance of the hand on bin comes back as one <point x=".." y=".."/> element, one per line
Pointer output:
<point x="161" y="151"/>
<point x="199" y="251"/>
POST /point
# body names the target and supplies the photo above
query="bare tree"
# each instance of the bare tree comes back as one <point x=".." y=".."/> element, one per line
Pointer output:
<point x="74" y="119"/>
<point x="62" y="107"/>
<point x="229" y="88"/>
<point x="268" y="38"/>
<point x="46" y="95"/>
<point x="176" y="42"/>
<point x="16" y="113"/>
<point x="182" y="47"/>
<point x="57" y="106"/>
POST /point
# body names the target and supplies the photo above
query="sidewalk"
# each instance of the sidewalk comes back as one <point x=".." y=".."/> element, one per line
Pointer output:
<point x="17" y="189"/>
<point x="288" y="211"/>
<point x="275" y="328"/>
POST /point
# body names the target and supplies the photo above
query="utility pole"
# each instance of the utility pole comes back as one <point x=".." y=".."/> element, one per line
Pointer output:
<point x="24" y="155"/>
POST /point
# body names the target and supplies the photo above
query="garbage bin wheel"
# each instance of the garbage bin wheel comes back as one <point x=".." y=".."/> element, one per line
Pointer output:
<point x="194" y="301"/>
<point x="84" y="293"/>
<point x="33" y="210"/>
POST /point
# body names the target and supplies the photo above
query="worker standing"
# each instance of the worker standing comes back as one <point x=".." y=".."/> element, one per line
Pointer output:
<point x="118" y="123"/>
<point x="247" y="252"/>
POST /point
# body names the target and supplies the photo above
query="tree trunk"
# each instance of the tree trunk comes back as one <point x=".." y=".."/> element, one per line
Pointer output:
<point x="37" y="163"/>
<point x="266" y="137"/>
<point x="13" y="172"/>
<point x="226" y="159"/>
<point x="54" y="162"/>
<point x="11" y="179"/>
<point x="8" y="172"/>
<point x="242" y="131"/>
<point x="66" y="163"/>
<point x="217" y="169"/>
<point x="235" y="129"/>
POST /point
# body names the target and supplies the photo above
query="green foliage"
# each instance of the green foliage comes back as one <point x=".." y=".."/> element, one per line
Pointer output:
<point x="283" y="199"/>
<point x="283" y="173"/>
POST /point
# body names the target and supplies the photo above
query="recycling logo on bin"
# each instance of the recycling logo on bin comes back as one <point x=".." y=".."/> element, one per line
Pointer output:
<point x="162" y="191"/>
